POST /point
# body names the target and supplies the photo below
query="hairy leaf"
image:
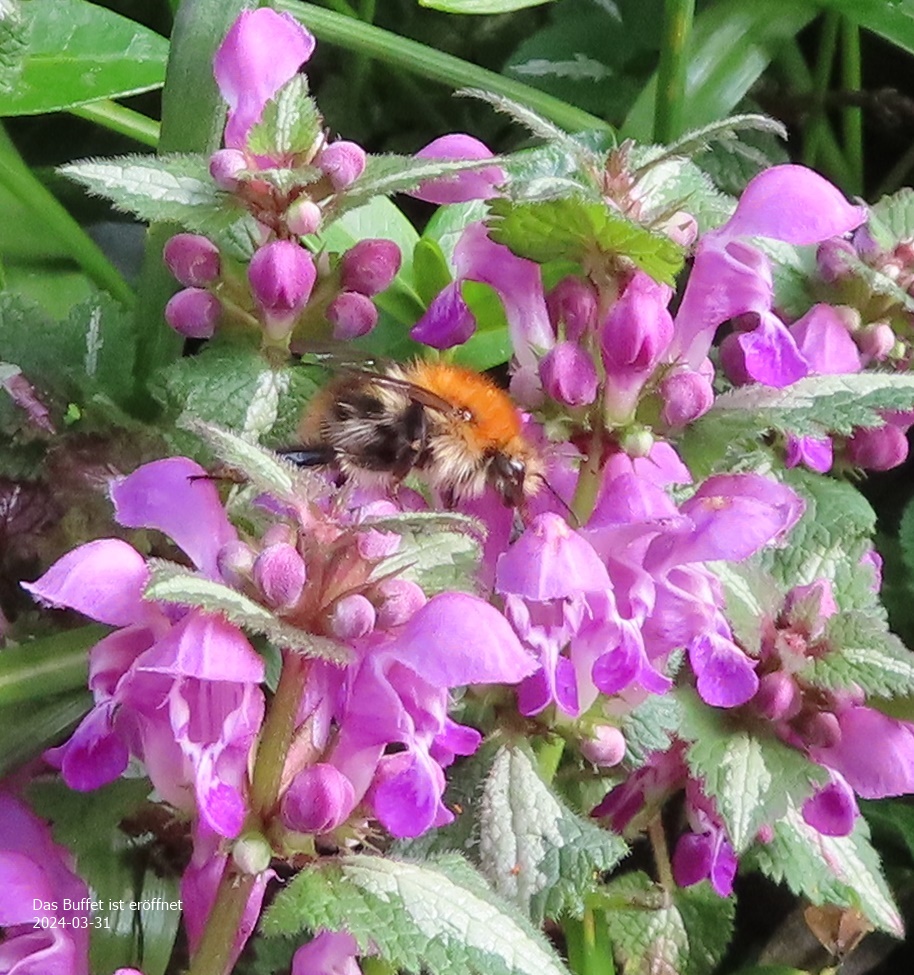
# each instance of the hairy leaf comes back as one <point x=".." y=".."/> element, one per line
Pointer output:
<point x="438" y="917"/>
<point x="290" y="122"/>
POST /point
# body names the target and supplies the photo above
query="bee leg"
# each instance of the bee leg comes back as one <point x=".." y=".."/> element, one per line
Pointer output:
<point x="309" y="456"/>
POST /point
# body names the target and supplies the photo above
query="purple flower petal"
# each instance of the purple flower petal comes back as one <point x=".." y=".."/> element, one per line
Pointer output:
<point x="103" y="580"/>
<point x="825" y="343"/>
<point x="261" y="52"/>
<point x="474" y="184"/>
<point x="726" y="677"/>
<point x="550" y="561"/>
<point x="833" y="809"/>
<point x="406" y="796"/>
<point x="162" y="495"/>
<point x="457" y="639"/>
<point x="328" y="953"/>
<point x="872" y="772"/>
<point x="815" y="453"/>
<point x="793" y="204"/>
<point x="207" y="647"/>
<point x="94" y="755"/>
<point x="770" y="353"/>
<point x="448" y="321"/>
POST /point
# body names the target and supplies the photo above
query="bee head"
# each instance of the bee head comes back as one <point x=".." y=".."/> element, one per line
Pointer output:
<point x="508" y="475"/>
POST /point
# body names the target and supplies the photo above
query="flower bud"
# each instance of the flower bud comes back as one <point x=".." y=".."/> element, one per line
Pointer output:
<point x="400" y="599"/>
<point x="681" y="228"/>
<point x="192" y="259"/>
<point x="280" y="574"/>
<point x="572" y="303"/>
<point x="832" y="810"/>
<point x="235" y="562"/>
<point x="194" y="313"/>
<point x="606" y="748"/>
<point x="318" y="800"/>
<point x="278" y="533"/>
<point x="831" y="258"/>
<point x="225" y="166"/>
<point x="818" y="729"/>
<point x="303" y="217"/>
<point x="733" y="360"/>
<point x="352" y="617"/>
<point x="778" y="697"/>
<point x="470" y="184"/>
<point x="369" y="266"/>
<point x="686" y="396"/>
<point x="251" y="853"/>
<point x="282" y="275"/>
<point x="877" y="448"/>
<point x="374" y="545"/>
<point x="343" y="163"/>
<point x="876" y="341"/>
<point x="351" y="315"/>
<point x="569" y="375"/>
<point x="638" y="443"/>
<point x="848" y="316"/>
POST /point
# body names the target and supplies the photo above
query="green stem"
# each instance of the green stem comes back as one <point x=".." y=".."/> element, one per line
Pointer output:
<point x="125" y="121"/>
<point x="821" y="81"/>
<point x="852" y="115"/>
<point x="589" y="951"/>
<point x="193" y="115"/>
<point x="671" y="73"/>
<point x="215" y="948"/>
<point x="278" y="730"/>
<point x="428" y="63"/>
<point x="795" y="70"/>
<point x="661" y="852"/>
<point x="16" y="177"/>
<point x="589" y="478"/>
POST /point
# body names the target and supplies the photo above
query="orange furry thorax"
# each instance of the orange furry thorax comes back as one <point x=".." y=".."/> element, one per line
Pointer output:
<point x="495" y="421"/>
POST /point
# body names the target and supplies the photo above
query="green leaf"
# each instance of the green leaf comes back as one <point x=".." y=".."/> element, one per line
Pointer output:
<point x="440" y="918"/>
<point x="13" y="43"/>
<point x="175" y="584"/>
<point x="77" y="53"/>
<point x="863" y="654"/>
<point x="650" y="727"/>
<point x="730" y="46"/>
<point x="481" y="6"/>
<point x="842" y="870"/>
<point x="436" y="556"/>
<point x="678" y="184"/>
<point x="894" y="20"/>
<point x="891" y="219"/>
<point x="45" y="667"/>
<point x="815" y="406"/>
<point x="576" y="229"/>
<point x="751" y="596"/>
<point x="532" y="848"/>
<point x="175" y="188"/>
<point x="290" y="122"/>
<point x="235" y="387"/>
<point x="28" y="727"/>
<point x="753" y="779"/>
<point x="906" y="536"/>
<point x="448" y="223"/>
<point x="708" y="921"/>
<point x="431" y="270"/>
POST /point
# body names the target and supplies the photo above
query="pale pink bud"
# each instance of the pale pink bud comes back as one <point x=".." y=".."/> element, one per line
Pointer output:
<point x="606" y="748"/>
<point x="638" y="443"/>
<point x="351" y="315"/>
<point x="318" y="800"/>
<point x="777" y="697"/>
<point x="235" y="562"/>
<point x="277" y="534"/>
<point x="282" y="276"/>
<point x="353" y="616"/>
<point x="343" y="162"/>
<point x="832" y="258"/>
<point x="225" y="166"/>
<point x="877" y="448"/>
<point x="194" y="313"/>
<point x="572" y="303"/>
<point x="819" y="729"/>
<point x="374" y="545"/>
<point x="876" y="341"/>
<point x="686" y="396"/>
<point x="303" y="217"/>
<point x="279" y="573"/>
<point x="569" y="375"/>
<point x="401" y="598"/>
<point x="192" y="259"/>
<point x="369" y="266"/>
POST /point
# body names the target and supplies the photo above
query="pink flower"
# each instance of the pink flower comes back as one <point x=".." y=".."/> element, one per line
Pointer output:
<point x="474" y="184"/>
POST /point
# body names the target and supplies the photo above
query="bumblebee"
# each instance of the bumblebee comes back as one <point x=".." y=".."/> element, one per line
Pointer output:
<point x="454" y="428"/>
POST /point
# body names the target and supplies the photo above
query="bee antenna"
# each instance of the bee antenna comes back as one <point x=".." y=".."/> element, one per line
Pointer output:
<point x="573" y="518"/>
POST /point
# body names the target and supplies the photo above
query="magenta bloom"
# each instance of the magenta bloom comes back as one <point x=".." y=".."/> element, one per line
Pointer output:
<point x="731" y="277"/>
<point x="328" y="953"/>
<point x="34" y="874"/>
<point x="261" y="52"/>
<point x="474" y="184"/>
<point x="177" y="689"/>
<point x="282" y="275"/>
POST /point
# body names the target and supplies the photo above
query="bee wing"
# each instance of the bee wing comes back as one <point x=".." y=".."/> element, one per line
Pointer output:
<point x="416" y="393"/>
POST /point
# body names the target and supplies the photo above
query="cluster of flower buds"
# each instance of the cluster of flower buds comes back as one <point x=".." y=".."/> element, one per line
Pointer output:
<point x="288" y="291"/>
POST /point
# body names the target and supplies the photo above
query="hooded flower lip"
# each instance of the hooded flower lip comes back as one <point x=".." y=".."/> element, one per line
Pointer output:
<point x="261" y="52"/>
<point x="474" y="184"/>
